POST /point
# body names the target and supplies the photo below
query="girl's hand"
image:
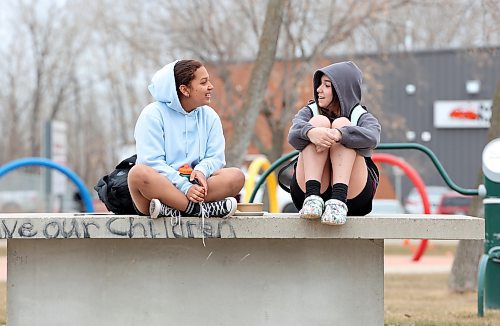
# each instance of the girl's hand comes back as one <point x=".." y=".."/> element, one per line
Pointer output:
<point x="322" y="137"/>
<point x="321" y="149"/>
<point x="337" y="135"/>
<point x="198" y="178"/>
<point x="196" y="194"/>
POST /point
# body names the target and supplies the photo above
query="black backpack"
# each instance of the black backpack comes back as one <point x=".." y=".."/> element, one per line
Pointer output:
<point x="113" y="188"/>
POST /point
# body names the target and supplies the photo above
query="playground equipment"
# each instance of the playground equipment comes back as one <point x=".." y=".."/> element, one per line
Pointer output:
<point x="261" y="163"/>
<point x="488" y="283"/>
<point x="417" y="181"/>
<point x="389" y="146"/>
<point x="39" y="161"/>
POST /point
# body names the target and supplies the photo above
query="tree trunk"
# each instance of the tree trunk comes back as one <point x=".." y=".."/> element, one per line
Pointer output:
<point x="463" y="275"/>
<point x="252" y="102"/>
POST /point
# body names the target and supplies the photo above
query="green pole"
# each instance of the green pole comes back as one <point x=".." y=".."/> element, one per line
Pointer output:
<point x="382" y="146"/>
<point x="491" y="170"/>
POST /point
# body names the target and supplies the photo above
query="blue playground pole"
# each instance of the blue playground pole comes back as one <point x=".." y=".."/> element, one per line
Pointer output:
<point x="40" y="161"/>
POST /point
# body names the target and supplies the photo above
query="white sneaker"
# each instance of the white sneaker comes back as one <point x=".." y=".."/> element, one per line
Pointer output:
<point x="335" y="212"/>
<point x="157" y="209"/>
<point x="312" y="208"/>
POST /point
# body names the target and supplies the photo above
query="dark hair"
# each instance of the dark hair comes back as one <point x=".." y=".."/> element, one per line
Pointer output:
<point x="184" y="73"/>
<point x="335" y="104"/>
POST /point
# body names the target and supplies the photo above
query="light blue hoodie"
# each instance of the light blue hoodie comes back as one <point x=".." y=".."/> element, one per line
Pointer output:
<point x="167" y="137"/>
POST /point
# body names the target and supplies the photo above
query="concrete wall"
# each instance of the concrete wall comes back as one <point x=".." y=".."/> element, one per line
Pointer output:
<point x="180" y="282"/>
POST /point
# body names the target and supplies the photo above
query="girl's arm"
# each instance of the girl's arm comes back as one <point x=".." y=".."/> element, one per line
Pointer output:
<point x="366" y="135"/>
<point x="297" y="136"/>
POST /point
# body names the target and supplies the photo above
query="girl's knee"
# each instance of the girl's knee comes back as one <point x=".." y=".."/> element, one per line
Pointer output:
<point x="139" y="173"/>
<point x="237" y="178"/>
<point x="340" y="122"/>
<point x="320" y="121"/>
<point x="233" y="180"/>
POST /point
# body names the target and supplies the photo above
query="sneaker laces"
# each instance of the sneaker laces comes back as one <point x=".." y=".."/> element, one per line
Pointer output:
<point x="203" y="213"/>
<point x="207" y="210"/>
<point x="215" y="208"/>
<point x="174" y="214"/>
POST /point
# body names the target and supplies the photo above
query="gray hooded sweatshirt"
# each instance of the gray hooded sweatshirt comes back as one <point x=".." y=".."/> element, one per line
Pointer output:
<point x="346" y="79"/>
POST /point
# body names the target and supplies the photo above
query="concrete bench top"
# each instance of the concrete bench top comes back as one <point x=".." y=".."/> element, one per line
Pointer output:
<point x="268" y="226"/>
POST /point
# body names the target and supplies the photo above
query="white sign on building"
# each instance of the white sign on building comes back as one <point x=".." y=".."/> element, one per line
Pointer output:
<point x="462" y="114"/>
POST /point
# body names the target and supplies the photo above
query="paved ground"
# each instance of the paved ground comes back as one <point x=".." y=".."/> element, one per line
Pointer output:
<point x="427" y="265"/>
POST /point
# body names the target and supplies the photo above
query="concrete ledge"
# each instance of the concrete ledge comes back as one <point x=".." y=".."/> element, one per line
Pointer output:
<point x="282" y="270"/>
<point x="269" y="226"/>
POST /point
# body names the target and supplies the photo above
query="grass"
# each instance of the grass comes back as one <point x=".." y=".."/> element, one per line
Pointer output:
<point x="423" y="299"/>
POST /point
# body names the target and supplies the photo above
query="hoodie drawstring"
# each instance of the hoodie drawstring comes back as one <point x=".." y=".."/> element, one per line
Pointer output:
<point x="202" y="204"/>
<point x="202" y="211"/>
<point x="202" y="207"/>
<point x="185" y="135"/>
<point x="199" y="138"/>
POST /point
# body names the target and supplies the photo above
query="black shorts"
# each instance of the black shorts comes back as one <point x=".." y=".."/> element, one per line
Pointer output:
<point x="357" y="206"/>
<point x="138" y="211"/>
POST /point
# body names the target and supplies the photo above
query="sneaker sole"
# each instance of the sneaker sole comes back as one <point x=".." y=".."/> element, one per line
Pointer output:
<point x="234" y="204"/>
<point x="310" y="216"/>
<point x="331" y="222"/>
<point x="154" y="208"/>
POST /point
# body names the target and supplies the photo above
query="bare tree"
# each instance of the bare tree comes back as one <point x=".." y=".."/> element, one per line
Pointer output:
<point x="46" y="79"/>
<point x="89" y="62"/>
<point x="226" y="36"/>
<point x="419" y="25"/>
<point x="310" y="32"/>
<point x="47" y="34"/>
<point x="12" y="114"/>
<point x="252" y="102"/>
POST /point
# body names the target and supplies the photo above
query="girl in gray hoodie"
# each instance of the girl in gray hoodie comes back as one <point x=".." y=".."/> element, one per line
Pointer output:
<point x="334" y="175"/>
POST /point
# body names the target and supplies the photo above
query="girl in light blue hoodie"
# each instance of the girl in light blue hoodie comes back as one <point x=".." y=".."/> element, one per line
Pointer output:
<point x="179" y="130"/>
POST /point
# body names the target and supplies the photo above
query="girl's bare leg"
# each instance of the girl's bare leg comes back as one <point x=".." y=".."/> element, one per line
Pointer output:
<point x="145" y="184"/>
<point x="312" y="165"/>
<point x="348" y="169"/>
<point x="347" y="166"/>
<point x="226" y="182"/>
